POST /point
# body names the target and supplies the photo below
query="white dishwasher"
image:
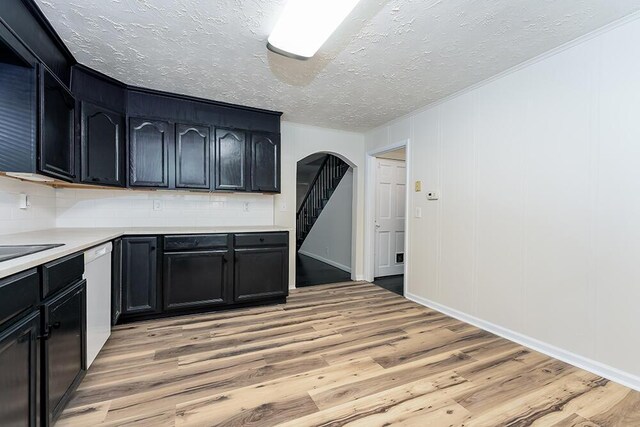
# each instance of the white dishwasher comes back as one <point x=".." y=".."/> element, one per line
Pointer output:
<point x="97" y="271"/>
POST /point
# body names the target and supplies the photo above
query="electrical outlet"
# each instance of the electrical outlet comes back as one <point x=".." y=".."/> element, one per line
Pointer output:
<point x="245" y="207"/>
<point x="418" y="186"/>
<point x="157" y="205"/>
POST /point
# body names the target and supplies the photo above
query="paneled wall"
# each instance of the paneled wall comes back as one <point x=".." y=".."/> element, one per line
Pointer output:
<point x="40" y="215"/>
<point x="537" y="231"/>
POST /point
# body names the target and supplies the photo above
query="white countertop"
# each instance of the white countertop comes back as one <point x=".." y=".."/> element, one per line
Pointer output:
<point x="78" y="239"/>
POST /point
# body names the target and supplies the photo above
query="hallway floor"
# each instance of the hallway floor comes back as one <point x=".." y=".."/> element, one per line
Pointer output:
<point x="391" y="283"/>
<point x="310" y="271"/>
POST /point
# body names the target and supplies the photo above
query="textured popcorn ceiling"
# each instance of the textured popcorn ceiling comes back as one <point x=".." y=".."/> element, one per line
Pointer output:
<point x="387" y="59"/>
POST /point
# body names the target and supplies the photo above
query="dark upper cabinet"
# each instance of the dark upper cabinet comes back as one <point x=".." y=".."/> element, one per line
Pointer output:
<point x="260" y="273"/>
<point x="64" y="347"/>
<point x="140" y="275"/>
<point x="265" y="162"/>
<point x="56" y="127"/>
<point x="19" y="379"/>
<point x="101" y="145"/>
<point x="230" y="160"/>
<point x="193" y="156"/>
<point x="196" y="279"/>
<point x="149" y="142"/>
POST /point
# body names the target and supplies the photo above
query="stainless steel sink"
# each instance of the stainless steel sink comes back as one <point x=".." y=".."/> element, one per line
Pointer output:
<point x="8" y="252"/>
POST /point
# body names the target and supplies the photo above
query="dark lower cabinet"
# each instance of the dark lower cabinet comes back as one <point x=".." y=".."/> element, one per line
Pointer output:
<point x="149" y="142"/>
<point x="64" y="319"/>
<point x="140" y="275"/>
<point x="196" y="279"/>
<point x="265" y="162"/>
<point x="260" y="273"/>
<point x="19" y="372"/>
<point x="197" y="272"/>
<point x="101" y="145"/>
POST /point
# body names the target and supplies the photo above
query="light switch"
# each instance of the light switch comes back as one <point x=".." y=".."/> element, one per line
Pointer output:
<point x="24" y="201"/>
<point x="418" y="212"/>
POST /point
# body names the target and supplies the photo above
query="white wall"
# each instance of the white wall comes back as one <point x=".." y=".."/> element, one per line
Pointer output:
<point x="128" y="208"/>
<point x="537" y="231"/>
<point x="40" y="215"/>
<point x="298" y="142"/>
<point x="330" y="238"/>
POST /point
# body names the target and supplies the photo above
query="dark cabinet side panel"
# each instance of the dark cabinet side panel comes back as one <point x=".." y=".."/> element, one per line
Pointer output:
<point x="230" y="160"/>
<point x="19" y="373"/>
<point x="193" y="156"/>
<point x="116" y="281"/>
<point x="260" y="273"/>
<point x="149" y="142"/>
<point x="195" y="279"/>
<point x="140" y="276"/>
<point x="265" y="162"/>
<point x="18" y="108"/>
<point x="101" y="145"/>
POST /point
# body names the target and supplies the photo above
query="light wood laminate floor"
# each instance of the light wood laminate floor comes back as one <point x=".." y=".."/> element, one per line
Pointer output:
<point x="340" y="354"/>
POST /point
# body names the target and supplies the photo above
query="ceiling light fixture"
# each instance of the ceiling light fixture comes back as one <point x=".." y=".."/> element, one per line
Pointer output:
<point x="305" y="25"/>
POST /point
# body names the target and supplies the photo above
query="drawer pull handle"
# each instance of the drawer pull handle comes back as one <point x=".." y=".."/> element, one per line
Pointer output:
<point x="262" y="239"/>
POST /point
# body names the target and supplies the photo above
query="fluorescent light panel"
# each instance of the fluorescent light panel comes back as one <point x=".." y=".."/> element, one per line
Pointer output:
<point x="305" y="25"/>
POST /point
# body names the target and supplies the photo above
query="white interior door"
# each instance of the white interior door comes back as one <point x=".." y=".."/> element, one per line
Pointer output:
<point x="390" y="217"/>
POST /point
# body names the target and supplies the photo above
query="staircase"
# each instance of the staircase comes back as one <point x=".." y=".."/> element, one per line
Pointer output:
<point x="331" y="172"/>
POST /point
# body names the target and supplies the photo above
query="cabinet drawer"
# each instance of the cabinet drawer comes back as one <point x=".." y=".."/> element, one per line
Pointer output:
<point x="261" y="239"/>
<point x="18" y="293"/>
<point x="195" y="241"/>
<point x="61" y="272"/>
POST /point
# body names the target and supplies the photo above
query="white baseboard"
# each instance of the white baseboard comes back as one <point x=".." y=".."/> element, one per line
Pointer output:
<point x="600" y="369"/>
<point x="326" y="261"/>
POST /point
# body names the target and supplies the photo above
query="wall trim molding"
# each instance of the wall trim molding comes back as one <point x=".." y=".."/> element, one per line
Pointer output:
<point x="595" y="367"/>
<point x="326" y="261"/>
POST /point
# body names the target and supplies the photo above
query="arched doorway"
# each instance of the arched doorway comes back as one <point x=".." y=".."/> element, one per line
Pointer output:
<point x="325" y="195"/>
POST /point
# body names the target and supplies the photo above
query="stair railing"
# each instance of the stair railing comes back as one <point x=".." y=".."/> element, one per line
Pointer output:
<point x="331" y="171"/>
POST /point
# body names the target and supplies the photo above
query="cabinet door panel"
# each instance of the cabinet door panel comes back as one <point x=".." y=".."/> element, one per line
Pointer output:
<point x="260" y="273"/>
<point x="148" y="153"/>
<point x="192" y="156"/>
<point x="65" y="319"/>
<point x="101" y="145"/>
<point x="57" y="145"/>
<point x="139" y="257"/>
<point x="19" y="380"/>
<point x="230" y="161"/>
<point x="265" y="162"/>
<point x="195" y="279"/>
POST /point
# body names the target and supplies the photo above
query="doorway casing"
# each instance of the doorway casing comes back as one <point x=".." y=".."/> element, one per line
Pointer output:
<point x="370" y="211"/>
